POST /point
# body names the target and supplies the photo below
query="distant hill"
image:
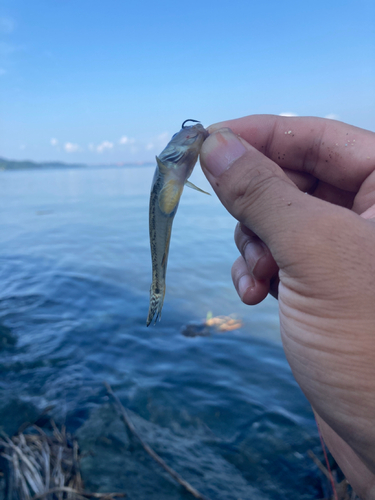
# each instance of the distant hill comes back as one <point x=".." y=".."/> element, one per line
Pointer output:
<point x="27" y="165"/>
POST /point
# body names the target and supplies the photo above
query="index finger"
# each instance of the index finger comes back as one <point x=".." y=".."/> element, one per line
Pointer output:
<point x="332" y="151"/>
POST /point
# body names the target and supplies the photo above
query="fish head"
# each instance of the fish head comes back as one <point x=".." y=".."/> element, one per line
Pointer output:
<point x="184" y="147"/>
<point x="192" y="135"/>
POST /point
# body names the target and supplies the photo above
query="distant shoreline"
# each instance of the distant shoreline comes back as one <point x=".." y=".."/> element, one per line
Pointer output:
<point x="33" y="165"/>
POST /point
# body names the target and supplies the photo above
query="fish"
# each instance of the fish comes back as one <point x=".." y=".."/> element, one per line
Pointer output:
<point x="174" y="166"/>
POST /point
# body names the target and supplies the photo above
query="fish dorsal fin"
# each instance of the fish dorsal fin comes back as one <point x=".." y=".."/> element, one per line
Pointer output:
<point x="169" y="196"/>
<point x="163" y="169"/>
<point x="193" y="186"/>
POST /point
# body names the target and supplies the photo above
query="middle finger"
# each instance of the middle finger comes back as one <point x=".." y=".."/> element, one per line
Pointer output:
<point x="258" y="258"/>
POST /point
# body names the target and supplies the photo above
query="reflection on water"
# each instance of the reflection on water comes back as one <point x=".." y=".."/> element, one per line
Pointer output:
<point x="75" y="270"/>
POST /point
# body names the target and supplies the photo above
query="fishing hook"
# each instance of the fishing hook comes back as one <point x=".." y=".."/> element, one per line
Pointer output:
<point x="190" y="120"/>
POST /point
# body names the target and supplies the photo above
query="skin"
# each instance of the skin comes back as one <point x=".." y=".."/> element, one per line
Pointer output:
<point x="303" y="191"/>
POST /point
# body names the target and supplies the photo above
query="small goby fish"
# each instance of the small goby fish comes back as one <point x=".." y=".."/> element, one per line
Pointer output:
<point x="174" y="166"/>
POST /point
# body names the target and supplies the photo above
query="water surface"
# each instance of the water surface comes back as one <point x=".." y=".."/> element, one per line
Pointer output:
<point x="75" y="271"/>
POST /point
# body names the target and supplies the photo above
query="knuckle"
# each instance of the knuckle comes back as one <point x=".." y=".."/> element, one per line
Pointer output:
<point x="243" y="239"/>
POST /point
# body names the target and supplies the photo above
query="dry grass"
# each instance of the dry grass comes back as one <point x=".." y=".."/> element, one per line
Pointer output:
<point x="44" y="466"/>
<point x="342" y="488"/>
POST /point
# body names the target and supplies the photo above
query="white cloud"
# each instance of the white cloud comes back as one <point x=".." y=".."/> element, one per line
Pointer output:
<point x="126" y="140"/>
<point x="288" y="113"/>
<point x="6" y="25"/>
<point x="71" y="148"/>
<point x="103" y="146"/>
<point x="332" y="116"/>
<point x="54" y="142"/>
<point x="150" y="146"/>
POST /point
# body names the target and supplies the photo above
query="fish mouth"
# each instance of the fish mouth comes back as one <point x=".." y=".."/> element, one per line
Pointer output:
<point x="199" y="127"/>
<point x="199" y="131"/>
<point x="196" y="134"/>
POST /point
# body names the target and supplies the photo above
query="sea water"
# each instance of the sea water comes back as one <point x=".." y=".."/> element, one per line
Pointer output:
<point x="75" y="270"/>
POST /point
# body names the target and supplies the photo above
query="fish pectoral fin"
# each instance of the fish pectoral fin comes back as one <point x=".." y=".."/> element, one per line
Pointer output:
<point x="169" y="196"/>
<point x="163" y="169"/>
<point x="193" y="186"/>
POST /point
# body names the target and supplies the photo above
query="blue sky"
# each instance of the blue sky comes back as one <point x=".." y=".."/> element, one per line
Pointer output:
<point x="103" y="82"/>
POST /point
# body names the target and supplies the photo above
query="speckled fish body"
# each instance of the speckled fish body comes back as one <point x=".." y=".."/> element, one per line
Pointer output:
<point x="174" y="166"/>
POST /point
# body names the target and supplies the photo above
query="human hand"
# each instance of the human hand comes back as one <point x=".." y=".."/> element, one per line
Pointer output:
<point x="317" y="251"/>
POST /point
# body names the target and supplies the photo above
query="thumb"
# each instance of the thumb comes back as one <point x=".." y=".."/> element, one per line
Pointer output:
<point x="258" y="193"/>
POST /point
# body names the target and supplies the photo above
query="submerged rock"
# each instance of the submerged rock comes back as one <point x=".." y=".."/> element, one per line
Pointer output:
<point x="114" y="460"/>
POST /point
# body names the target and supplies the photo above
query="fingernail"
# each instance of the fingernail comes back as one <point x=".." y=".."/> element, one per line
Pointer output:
<point x="245" y="282"/>
<point x="220" y="150"/>
<point x="253" y="252"/>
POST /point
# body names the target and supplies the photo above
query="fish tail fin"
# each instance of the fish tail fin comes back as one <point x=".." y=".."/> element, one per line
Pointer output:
<point x="156" y="305"/>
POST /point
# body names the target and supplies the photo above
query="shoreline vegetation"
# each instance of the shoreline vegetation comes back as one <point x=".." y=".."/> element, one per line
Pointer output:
<point x="33" y="165"/>
<point x="43" y="461"/>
